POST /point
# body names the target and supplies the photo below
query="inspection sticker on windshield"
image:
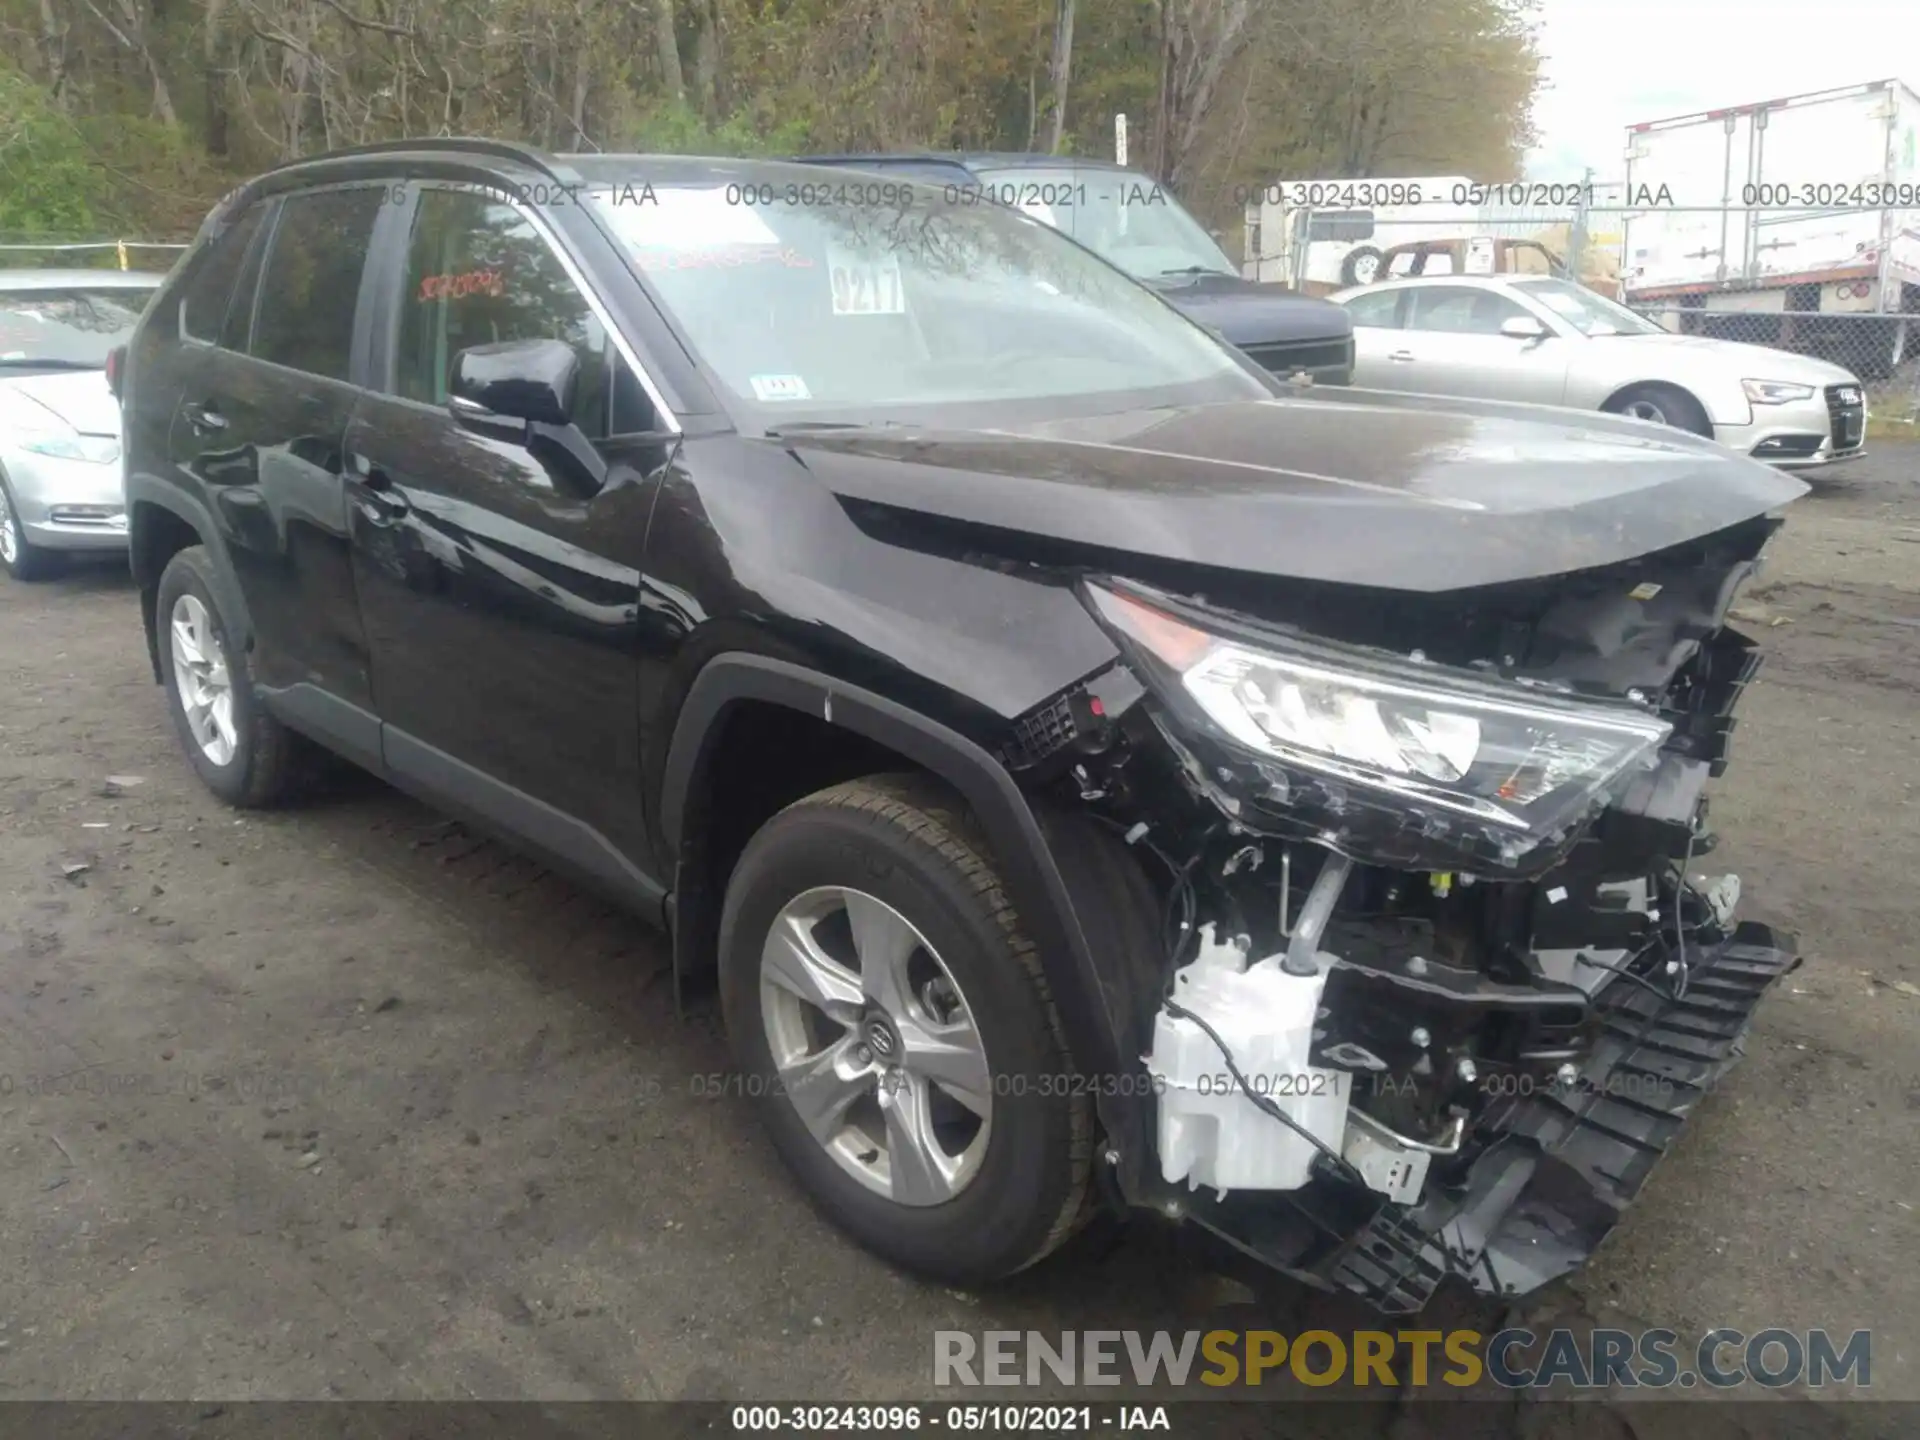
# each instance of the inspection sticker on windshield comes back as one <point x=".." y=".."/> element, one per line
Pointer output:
<point x="780" y="387"/>
<point x="865" y="284"/>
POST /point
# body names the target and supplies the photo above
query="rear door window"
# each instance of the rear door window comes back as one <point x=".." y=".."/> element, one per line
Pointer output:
<point x="311" y="280"/>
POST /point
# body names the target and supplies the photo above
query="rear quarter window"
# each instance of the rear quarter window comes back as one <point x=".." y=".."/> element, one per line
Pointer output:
<point x="212" y="279"/>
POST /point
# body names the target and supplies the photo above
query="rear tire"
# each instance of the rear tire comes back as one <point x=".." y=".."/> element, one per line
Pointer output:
<point x="1007" y="1186"/>
<point x="24" y="560"/>
<point x="242" y="754"/>
<point x="1663" y="405"/>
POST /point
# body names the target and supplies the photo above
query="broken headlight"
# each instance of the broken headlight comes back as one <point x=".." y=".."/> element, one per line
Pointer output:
<point x="1483" y="766"/>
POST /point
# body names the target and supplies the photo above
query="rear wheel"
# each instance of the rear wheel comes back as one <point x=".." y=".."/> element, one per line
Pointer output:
<point x="893" y="1024"/>
<point x="242" y="754"/>
<point x="1663" y="405"/>
<point x="23" y="559"/>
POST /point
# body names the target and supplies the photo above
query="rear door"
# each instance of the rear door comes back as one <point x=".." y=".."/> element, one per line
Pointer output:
<point x="501" y="589"/>
<point x="1377" y="338"/>
<point x="1452" y="345"/>
<point x="259" y="427"/>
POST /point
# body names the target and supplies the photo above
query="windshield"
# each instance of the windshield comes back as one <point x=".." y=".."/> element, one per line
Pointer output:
<point x="69" y="326"/>
<point x="1125" y="218"/>
<point x="1587" y="312"/>
<point x="807" y="299"/>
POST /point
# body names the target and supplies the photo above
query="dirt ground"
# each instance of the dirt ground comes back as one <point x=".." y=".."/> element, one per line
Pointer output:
<point x="343" y="1102"/>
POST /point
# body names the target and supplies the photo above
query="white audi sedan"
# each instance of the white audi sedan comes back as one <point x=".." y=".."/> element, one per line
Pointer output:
<point x="1551" y="342"/>
<point x="60" y="487"/>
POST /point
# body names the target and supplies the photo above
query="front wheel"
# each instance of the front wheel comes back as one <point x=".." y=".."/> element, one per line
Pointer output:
<point x="1663" y="405"/>
<point x="24" y="560"/>
<point x="893" y="1025"/>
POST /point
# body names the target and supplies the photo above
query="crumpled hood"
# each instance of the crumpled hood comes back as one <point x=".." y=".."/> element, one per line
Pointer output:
<point x="1354" y="487"/>
<point x="1252" y="314"/>
<point x="79" y="397"/>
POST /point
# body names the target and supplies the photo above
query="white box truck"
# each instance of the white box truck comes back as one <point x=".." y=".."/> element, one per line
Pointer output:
<point x="1801" y="208"/>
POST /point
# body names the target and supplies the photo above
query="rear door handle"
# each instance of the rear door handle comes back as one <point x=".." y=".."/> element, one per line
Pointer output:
<point x="205" y="418"/>
<point x="380" y="497"/>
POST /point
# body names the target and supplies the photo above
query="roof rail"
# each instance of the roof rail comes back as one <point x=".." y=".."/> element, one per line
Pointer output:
<point x="450" y="144"/>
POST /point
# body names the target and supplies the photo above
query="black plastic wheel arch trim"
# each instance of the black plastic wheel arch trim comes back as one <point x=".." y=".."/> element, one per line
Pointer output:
<point x="1039" y="890"/>
<point x="141" y="490"/>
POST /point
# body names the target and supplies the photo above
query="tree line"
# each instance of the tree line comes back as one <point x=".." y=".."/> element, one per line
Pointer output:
<point x="129" y="113"/>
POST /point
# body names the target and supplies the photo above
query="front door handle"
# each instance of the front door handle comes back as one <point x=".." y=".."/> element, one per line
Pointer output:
<point x="1401" y="355"/>
<point x="380" y="498"/>
<point x="205" y="418"/>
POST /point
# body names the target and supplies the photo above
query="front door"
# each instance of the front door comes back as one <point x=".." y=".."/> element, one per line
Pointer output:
<point x="500" y="588"/>
<point x="1452" y="345"/>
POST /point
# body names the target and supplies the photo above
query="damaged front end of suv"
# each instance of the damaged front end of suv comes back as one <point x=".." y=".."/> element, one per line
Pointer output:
<point x="1442" y="978"/>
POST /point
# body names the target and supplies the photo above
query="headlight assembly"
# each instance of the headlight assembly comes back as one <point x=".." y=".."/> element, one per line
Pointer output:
<point x="94" y="449"/>
<point x="1775" y="392"/>
<point x="1466" y="762"/>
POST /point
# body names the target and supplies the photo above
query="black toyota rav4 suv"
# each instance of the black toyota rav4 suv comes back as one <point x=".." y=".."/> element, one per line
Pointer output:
<point x="1097" y="776"/>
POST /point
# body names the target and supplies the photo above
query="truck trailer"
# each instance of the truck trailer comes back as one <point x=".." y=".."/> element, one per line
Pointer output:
<point x="1787" y="222"/>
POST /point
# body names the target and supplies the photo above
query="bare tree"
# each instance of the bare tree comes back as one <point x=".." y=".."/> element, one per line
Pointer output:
<point x="131" y="32"/>
<point x="667" y="50"/>
<point x="1060" y="71"/>
<point x="1199" y="42"/>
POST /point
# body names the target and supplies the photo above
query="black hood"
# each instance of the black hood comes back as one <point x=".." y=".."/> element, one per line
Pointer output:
<point x="1251" y="314"/>
<point x="1354" y="487"/>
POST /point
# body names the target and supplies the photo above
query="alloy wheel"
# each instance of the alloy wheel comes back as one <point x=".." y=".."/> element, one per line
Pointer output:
<point x="1646" y="410"/>
<point x="201" y="677"/>
<point x="874" y="1045"/>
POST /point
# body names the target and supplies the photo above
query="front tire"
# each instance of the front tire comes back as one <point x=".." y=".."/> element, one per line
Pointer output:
<point x="242" y="754"/>
<point x="1663" y="405"/>
<point x="24" y="560"/>
<point x="894" y="1027"/>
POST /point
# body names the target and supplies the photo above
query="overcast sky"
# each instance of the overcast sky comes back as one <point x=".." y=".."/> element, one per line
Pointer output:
<point x="1610" y="63"/>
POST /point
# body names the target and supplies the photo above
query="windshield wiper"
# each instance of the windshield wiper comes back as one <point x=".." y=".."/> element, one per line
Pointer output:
<point x="1196" y="270"/>
<point x="802" y="427"/>
<point x="27" y="363"/>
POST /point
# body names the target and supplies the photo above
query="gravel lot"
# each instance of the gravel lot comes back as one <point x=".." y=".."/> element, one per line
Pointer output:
<point x="522" y="1189"/>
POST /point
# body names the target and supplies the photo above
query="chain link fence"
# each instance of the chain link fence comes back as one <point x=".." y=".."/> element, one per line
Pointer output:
<point x="1882" y="351"/>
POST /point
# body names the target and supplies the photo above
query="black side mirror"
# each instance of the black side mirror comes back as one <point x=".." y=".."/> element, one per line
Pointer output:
<point x="531" y="380"/>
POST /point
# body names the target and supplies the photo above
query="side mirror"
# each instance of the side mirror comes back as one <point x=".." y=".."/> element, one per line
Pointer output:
<point x="1523" y="327"/>
<point x="531" y="380"/>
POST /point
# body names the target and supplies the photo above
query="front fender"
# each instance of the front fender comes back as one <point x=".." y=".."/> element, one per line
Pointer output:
<point x="1099" y="995"/>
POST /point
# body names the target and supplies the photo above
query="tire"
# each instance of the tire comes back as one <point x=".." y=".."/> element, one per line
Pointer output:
<point x="906" y="845"/>
<point x="1662" y="405"/>
<point x="24" y="561"/>
<point x="1361" y="261"/>
<point x="262" y="756"/>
